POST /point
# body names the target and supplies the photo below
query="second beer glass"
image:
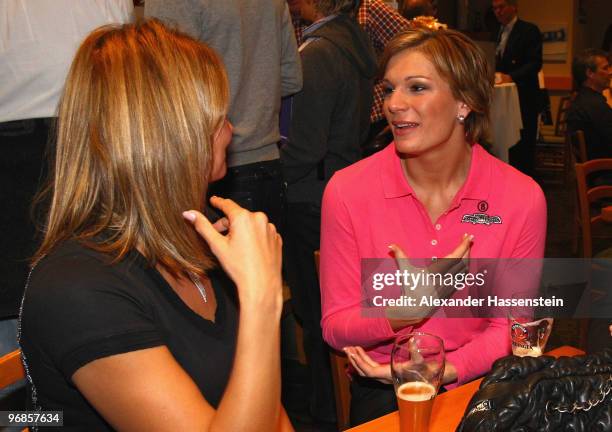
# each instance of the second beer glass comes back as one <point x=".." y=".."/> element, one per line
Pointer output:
<point x="530" y="326"/>
<point x="417" y="367"/>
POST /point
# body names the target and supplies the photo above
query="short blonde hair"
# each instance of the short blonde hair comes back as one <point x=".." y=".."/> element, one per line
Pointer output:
<point x="134" y="145"/>
<point x="459" y="61"/>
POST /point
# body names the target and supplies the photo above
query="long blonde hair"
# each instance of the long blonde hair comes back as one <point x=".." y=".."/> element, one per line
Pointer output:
<point x="134" y="145"/>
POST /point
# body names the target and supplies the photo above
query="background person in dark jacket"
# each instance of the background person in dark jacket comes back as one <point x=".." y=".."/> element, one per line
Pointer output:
<point x="519" y="59"/>
<point x="330" y="119"/>
<point x="589" y="111"/>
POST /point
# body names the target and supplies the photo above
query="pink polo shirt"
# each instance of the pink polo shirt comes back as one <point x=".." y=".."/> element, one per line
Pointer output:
<point x="370" y="205"/>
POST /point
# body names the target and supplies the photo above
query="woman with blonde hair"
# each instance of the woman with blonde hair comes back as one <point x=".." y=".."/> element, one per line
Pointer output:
<point x="126" y="322"/>
<point x="434" y="193"/>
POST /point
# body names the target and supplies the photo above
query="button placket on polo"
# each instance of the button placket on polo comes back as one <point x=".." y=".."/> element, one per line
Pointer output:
<point x="431" y="228"/>
<point x="435" y="241"/>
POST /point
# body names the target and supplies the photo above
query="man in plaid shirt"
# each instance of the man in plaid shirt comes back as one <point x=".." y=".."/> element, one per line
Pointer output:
<point x="381" y="22"/>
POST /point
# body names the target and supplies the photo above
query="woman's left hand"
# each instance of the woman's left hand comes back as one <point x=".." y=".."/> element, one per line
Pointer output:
<point x="250" y="253"/>
<point x="366" y="367"/>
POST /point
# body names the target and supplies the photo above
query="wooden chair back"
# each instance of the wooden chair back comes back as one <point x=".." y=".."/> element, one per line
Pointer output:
<point x="561" y="120"/>
<point x="342" y="390"/>
<point x="339" y="364"/>
<point x="575" y="153"/>
<point x="553" y="155"/>
<point x="577" y="145"/>
<point x="589" y="197"/>
<point x="11" y="372"/>
<point x="11" y="369"/>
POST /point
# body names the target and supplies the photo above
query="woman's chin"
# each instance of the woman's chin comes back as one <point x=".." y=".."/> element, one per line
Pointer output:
<point x="407" y="148"/>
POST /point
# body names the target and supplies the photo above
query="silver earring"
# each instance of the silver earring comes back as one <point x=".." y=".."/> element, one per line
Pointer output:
<point x="461" y="118"/>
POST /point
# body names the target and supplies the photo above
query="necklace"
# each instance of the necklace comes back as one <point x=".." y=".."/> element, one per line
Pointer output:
<point x="198" y="283"/>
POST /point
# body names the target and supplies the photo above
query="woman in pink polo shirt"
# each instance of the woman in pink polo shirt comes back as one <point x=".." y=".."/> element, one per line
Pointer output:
<point x="418" y="198"/>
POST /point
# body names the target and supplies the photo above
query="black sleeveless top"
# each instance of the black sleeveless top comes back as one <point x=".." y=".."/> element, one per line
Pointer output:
<point x="78" y="307"/>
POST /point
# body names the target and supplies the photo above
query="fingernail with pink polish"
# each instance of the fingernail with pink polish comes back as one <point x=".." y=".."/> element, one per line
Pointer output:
<point x="189" y="215"/>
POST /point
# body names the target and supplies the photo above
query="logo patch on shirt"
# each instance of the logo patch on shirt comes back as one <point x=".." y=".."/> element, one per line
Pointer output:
<point x="481" y="219"/>
<point x="483" y="206"/>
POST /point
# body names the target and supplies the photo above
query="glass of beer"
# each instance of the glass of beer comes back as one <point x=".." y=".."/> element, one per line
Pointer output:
<point x="417" y="367"/>
<point x="530" y="326"/>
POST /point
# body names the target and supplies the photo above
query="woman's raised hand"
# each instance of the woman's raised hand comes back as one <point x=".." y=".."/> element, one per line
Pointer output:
<point x="453" y="263"/>
<point x="250" y="252"/>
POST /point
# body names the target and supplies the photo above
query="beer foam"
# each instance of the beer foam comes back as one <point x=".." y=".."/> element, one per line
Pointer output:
<point x="416" y="391"/>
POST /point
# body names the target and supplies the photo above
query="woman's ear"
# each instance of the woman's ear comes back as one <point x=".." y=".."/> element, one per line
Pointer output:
<point x="463" y="109"/>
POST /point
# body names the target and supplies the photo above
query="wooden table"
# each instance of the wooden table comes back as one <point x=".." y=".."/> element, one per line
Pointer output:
<point x="448" y="407"/>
